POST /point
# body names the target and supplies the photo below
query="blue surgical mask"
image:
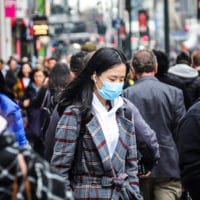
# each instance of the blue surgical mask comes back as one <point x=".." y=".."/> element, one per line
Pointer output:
<point x="110" y="91"/>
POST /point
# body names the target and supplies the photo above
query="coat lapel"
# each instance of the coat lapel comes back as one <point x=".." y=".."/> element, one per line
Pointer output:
<point x="100" y="143"/>
<point x="119" y="156"/>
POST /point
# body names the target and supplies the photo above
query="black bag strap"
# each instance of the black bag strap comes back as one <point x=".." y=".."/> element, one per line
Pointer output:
<point x="46" y="98"/>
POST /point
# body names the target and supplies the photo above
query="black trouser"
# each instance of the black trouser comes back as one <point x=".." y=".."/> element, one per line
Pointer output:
<point x="194" y="189"/>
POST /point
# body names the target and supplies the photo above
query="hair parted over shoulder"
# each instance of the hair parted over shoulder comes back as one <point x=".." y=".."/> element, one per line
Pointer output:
<point x="80" y="90"/>
<point x="144" y="60"/>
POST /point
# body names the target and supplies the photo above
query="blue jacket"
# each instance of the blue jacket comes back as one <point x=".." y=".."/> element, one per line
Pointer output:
<point x="11" y="111"/>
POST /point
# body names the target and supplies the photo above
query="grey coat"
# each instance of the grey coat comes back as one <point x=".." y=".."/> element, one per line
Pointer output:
<point x="162" y="107"/>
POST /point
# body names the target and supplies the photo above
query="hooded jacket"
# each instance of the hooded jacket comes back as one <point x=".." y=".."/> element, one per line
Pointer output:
<point x="189" y="77"/>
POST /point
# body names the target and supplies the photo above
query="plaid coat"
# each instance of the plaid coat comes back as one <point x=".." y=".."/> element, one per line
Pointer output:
<point x="94" y="174"/>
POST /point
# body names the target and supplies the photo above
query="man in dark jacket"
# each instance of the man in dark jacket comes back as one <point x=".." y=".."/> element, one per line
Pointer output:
<point x="165" y="77"/>
<point x="162" y="107"/>
<point x="189" y="150"/>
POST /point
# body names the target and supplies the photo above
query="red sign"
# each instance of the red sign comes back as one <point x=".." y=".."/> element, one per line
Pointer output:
<point x="142" y="19"/>
<point x="10" y="8"/>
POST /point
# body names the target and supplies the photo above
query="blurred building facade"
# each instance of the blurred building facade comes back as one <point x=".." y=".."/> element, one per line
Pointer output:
<point x="105" y="22"/>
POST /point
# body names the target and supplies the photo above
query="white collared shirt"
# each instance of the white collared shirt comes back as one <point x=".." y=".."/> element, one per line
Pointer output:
<point x="108" y="122"/>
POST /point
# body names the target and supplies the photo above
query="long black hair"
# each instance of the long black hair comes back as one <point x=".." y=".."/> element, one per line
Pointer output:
<point x="81" y="89"/>
<point x="4" y="88"/>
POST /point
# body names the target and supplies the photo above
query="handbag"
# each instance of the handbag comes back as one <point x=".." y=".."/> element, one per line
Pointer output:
<point x="24" y="170"/>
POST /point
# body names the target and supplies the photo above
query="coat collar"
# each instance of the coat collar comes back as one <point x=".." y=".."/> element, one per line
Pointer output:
<point x="146" y="78"/>
<point x="125" y="126"/>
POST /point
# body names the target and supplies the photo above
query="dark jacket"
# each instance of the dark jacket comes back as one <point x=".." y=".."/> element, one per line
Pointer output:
<point x="33" y="112"/>
<point x="162" y="108"/>
<point x="174" y="81"/>
<point x="11" y="79"/>
<point x="192" y="86"/>
<point x="189" y="146"/>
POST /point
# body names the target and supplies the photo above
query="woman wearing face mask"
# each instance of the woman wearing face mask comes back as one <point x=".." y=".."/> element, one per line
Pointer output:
<point x="95" y="144"/>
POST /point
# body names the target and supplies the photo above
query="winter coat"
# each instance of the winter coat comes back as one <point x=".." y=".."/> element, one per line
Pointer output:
<point x="188" y="76"/>
<point x="33" y="112"/>
<point x="189" y="146"/>
<point x="81" y="156"/>
<point x="162" y="107"/>
<point x="11" y="111"/>
<point x="145" y="137"/>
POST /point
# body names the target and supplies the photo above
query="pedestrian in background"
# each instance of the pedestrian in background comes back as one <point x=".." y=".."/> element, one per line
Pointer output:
<point x="189" y="151"/>
<point x="187" y="75"/>
<point x="23" y="80"/>
<point x="37" y="76"/>
<point x="162" y="107"/>
<point x="77" y="64"/>
<point x="95" y="148"/>
<point x="163" y="76"/>
<point x="196" y="60"/>
<point x="11" y="111"/>
<point x="11" y="73"/>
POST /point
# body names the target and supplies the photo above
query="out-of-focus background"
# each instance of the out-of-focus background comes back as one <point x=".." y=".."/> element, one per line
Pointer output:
<point x="33" y="28"/>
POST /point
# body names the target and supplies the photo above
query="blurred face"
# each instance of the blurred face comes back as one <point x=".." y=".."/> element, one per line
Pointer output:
<point x="1" y="66"/>
<point x="51" y="64"/>
<point x="39" y="78"/>
<point x="26" y="69"/>
<point x="13" y="65"/>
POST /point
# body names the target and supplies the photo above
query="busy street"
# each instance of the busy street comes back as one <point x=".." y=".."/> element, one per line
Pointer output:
<point x="99" y="99"/>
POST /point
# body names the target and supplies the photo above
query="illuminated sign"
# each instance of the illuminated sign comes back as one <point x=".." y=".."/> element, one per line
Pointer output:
<point x="40" y="26"/>
<point x="143" y="22"/>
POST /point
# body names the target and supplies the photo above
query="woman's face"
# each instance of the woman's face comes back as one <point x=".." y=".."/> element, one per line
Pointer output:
<point x="26" y="69"/>
<point x="39" y="78"/>
<point x="116" y="74"/>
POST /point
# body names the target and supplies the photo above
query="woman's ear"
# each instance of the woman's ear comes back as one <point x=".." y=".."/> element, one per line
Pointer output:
<point x="93" y="77"/>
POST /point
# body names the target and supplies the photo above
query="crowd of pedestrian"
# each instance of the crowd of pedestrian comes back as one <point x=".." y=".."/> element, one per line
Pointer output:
<point x="101" y="126"/>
